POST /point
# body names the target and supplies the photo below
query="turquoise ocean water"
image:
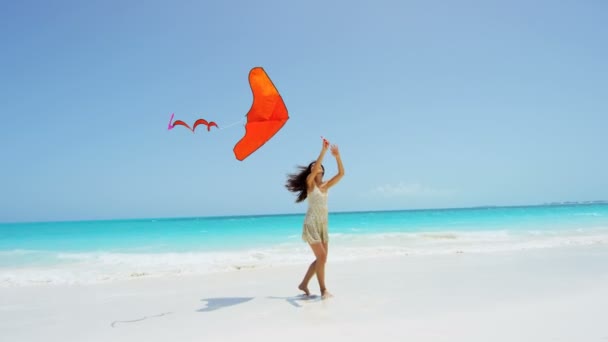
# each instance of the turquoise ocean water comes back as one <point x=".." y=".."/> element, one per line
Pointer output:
<point x="97" y="251"/>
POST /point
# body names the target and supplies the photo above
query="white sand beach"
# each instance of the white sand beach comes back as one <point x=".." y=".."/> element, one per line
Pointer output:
<point x="555" y="294"/>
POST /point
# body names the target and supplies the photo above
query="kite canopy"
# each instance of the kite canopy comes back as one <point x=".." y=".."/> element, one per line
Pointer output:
<point x="267" y="115"/>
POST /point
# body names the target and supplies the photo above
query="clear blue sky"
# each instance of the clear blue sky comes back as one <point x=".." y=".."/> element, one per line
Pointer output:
<point x="433" y="104"/>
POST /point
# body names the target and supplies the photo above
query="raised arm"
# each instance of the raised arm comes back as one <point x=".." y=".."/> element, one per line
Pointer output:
<point x="335" y="179"/>
<point x="316" y="168"/>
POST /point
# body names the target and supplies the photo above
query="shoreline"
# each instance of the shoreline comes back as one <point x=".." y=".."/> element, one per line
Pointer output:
<point x="90" y="268"/>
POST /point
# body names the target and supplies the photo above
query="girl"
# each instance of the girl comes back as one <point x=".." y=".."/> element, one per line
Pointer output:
<point x="308" y="183"/>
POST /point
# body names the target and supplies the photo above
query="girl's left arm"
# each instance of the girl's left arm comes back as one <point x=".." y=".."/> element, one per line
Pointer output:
<point x="335" y="179"/>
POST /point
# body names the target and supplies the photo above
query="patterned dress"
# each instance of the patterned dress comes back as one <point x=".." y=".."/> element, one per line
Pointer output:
<point x="315" y="222"/>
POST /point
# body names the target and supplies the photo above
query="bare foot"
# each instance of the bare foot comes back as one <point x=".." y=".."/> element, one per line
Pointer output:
<point x="325" y="294"/>
<point x="304" y="288"/>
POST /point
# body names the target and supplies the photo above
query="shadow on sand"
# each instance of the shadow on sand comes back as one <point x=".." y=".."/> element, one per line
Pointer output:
<point x="224" y="302"/>
<point x="298" y="300"/>
<point x="219" y="303"/>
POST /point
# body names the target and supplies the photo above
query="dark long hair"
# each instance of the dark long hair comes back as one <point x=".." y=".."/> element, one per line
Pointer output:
<point x="296" y="182"/>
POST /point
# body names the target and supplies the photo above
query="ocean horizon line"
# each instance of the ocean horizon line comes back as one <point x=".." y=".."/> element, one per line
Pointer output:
<point x="189" y="218"/>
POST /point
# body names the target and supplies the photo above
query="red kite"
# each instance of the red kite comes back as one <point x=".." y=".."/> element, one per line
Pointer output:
<point x="267" y="115"/>
<point x="265" y="118"/>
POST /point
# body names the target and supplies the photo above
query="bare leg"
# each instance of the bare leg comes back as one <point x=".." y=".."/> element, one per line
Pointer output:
<point x="312" y="269"/>
<point x="324" y="293"/>
<point x="321" y="255"/>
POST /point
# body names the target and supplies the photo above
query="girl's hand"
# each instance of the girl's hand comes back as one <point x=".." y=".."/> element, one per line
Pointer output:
<point x="334" y="151"/>
<point x="325" y="144"/>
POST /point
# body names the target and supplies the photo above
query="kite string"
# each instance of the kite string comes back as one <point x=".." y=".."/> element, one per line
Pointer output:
<point x="233" y="124"/>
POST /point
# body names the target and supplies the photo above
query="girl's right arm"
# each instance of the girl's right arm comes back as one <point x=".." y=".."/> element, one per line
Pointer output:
<point x="316" y="168"/>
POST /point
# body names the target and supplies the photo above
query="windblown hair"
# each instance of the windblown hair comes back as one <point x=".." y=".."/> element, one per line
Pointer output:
<point x="296" y="182"/>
